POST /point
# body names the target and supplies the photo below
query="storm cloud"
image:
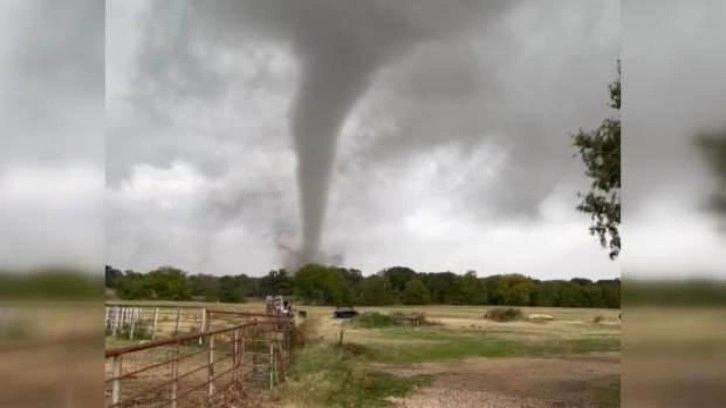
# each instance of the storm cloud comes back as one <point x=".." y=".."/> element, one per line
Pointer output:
<point x="477" y="101"/>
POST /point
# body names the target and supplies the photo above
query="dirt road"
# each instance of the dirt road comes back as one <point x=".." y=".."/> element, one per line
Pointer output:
<point x="583" y="382"/>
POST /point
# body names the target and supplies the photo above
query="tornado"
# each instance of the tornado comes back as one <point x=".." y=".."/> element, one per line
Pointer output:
<point x="340" y="46"/>
<point x="329" y="88"/>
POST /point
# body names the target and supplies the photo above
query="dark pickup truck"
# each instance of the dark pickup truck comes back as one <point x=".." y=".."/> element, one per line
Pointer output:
<point x="344" y="312"/>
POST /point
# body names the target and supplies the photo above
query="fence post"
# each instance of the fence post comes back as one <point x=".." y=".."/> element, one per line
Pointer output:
<point x="204" y="325"/>
<point x="272" y="365"/>
<point x="156" y="320"/>
<point x="210" y="372"/>
<point x="242" y="359"/>
<point x="176" y="326"/>
<point x="115" y="321"/>
<point x="116" y="390"/>
<point x="133" y="324"/>
<point x="175" y="375"/>
<point x="235" y="357"/>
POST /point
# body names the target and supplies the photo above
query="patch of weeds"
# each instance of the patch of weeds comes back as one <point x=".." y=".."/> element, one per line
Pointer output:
<point x="124" y="333"/>
<point x="443" y="345"/>
<point x="330" y="377"/>
<point x="14" y="330"/>
<point x="504" y="314"/>
<point x="561" y="348"/>
<point x="609" y="396"/>
<point x="373" y="320"/>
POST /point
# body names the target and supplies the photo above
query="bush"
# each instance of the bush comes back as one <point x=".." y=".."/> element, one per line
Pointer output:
<point x="303" y="333"/>
<point x="373" y="320"/>
<point x="504" y="314"/>
<point x="598" y="319"/>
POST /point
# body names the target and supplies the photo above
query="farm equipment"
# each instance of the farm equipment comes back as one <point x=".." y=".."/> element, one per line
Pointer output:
<point x="278" y="306"/>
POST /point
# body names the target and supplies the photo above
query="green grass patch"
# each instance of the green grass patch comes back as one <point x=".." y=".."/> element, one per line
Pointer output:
<point x="373" y="320"/>
<point x="331" y="377"/>
<point x="442" y="345"/>
<point x="609" y="396"/>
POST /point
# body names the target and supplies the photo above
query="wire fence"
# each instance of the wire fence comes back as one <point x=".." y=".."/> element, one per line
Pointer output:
<point x="135" y="323"/>
<point x="203" y="368"/>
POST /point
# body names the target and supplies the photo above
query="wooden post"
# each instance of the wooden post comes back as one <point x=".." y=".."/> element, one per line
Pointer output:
<point x="116" y="390"/>
<point x="235" y="357"/>
<point x="176" y="326"/>
<point x="175" y="375"/>
<point x="340" y="338"/>
<point x="210" y="372"/>
<point x="272" y="365"/>
<point x="242" y="359"/>
<point x="156" y="320"/>
<point x="281" y="362"/>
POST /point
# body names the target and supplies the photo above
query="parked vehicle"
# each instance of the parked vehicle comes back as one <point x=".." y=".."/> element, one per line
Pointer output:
<point x="345" y="312"/>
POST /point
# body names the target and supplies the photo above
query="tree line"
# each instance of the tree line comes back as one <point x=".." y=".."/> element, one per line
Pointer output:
<point x="335" y="286"/>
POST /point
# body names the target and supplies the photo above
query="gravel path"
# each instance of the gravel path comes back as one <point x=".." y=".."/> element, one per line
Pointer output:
<point x="582" y="382"/>
<point x="437" y="397"/>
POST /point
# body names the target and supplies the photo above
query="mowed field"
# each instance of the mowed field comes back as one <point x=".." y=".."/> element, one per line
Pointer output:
<point x="465" y="360"/>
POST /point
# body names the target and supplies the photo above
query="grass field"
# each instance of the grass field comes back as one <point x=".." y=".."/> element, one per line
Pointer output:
<point x="460" y="360"/>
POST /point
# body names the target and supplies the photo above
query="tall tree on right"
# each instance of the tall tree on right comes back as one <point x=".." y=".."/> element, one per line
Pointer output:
<point x="599" y="149"/>
<point x="712" y="145"/>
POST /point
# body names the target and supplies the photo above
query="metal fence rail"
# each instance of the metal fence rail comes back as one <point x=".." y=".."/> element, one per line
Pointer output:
<point x="133" y="322"/>
<point x="197" y="369"/>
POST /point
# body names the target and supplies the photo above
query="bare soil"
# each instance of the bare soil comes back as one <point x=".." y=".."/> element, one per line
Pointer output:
<point x="585" y="381"/>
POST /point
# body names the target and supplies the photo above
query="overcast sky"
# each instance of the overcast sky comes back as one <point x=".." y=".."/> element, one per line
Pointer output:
<point x="674" y="85"/>
<point x="453" y="151"/>
<point x="51" y="138"/>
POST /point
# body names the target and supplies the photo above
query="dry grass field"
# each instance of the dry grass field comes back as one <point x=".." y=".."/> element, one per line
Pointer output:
<point x="460" y="360"/>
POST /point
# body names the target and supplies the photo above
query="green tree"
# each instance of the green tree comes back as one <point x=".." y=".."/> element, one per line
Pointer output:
<point x="510" y="290"/>
<point x="319" y="284"/>
<point x="206" y="287"/>
<point x="712" y="145"/>
<point x="113" y="276"/>
<point x="444" y="287"/>
<point x="415" y="293"/>
<point x="471" y="291"/>
<point x="169" y="283"/>
<point x="376" y="291"/>
<point x="399" y="276"/>
<point x="234" y="289"/>
<point x="133" y="286"/>
<point x="599" y="149"/>
<point x="277" y="282"/>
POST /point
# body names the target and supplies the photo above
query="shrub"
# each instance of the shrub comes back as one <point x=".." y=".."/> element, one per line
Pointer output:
<point x="372" y="320"/>
<point x="303" y="333"/>
<point x="504" y="314"/>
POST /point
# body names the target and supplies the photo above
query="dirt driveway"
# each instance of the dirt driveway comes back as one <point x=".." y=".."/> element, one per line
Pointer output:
<point x="585" y="381"/>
